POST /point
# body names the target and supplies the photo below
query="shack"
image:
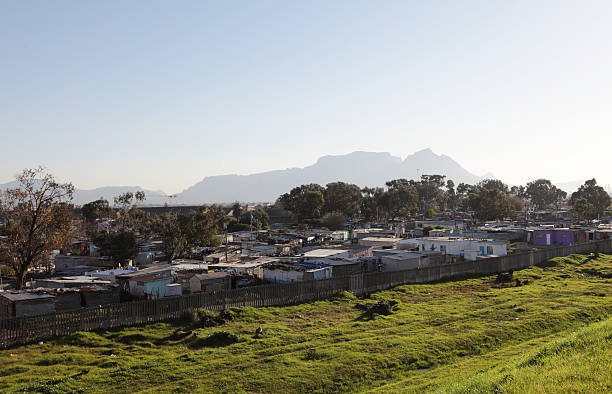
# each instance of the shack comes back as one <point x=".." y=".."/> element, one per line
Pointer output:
<point x="19" y="303"/>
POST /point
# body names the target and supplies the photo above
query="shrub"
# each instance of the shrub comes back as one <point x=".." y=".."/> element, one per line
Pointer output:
<point x="217" y="339"/>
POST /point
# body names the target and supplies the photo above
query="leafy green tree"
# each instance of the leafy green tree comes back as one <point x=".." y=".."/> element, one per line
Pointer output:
<point x="430" y="212"/>
<point x="489" y="200"/>
<point x="96" y="210"/>
<point x="257" y="218"/>
<point x="543" y="194"/>
<point x="401" y="198"/>
<point x="306" y="201"/>
<point x="334" y="221"/>
<point x="342" y="197"/>
<point x="450" y="195"/>
<point x="181" y="233"/>
<point x="371" y="206"/>
<point x="237" y="210"/>
<point x="429" y="191"/>
<point x="120" y="245"/>
<point x="590" y="200"/>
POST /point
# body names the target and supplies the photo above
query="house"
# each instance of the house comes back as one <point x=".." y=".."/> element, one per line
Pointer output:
<point x="210" y="282"/>
<point x="379" y="242"/>
<point x="398" y="259"/>
<point x="553" y="237"/>
<point x="17" y="303"/>
<point x="322" y="254"/>
<point x="288" y="273"/>
<point x="110" y="275"/>
<point x="66" y="299"/>
<point x="70" y="282"/>
<point x="345" y="267"/>
<point x="150" y="286"/>
<point x="468" y="248"/>
<point x="340" y="235"/>
<point x="157" y="269"/>
<point x="100" y="295"/>
<point x="174" y="290"/>
<point x="79" y="265"/>
<point x="242" y="267"/>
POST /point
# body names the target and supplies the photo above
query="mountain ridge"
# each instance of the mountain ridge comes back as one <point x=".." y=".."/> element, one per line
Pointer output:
<point x="362" y="168"/>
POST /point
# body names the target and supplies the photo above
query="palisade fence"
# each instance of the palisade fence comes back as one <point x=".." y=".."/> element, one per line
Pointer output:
<point x="21" y="330"/>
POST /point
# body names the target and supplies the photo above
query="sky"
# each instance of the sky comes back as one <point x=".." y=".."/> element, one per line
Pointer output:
<point x="161" y="94"/>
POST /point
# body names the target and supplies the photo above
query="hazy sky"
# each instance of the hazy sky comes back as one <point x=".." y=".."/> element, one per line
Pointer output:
<point x="162" y="94"/>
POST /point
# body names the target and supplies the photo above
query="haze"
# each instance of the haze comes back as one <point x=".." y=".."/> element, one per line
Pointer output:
<point x="162" y="94"/>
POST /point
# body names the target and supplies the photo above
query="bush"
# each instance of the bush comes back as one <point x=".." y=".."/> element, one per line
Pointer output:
<point x="430" y="212"/>
<point x="217" y="339"/>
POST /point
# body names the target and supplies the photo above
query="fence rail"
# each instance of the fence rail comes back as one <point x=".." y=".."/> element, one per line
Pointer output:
<point x="21" y="330"/>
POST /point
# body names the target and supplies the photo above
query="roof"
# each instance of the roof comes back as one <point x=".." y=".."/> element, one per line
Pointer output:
<point x="154" y="269"/>
<point x="380" y="239"/>
<point x="24" y="295"/>
<point x="150" y="278"/>
<point x="112" y="272"/>
<point x="212" y="275"/>
<point x="457" y="239"/>
<point x="247" y="264"/>
<point x="324" y="252"/>
<point x="74" y="279"/>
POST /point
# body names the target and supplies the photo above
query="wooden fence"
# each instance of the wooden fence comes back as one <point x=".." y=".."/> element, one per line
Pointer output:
<point x="21" y="330"/>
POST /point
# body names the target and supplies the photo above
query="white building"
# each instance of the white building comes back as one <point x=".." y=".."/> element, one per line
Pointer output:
<point x="469" y="248"/>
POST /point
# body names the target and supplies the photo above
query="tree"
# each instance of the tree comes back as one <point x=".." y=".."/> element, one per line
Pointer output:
<point x="371" y="203"/>
<point x="451" y="195"/>
<point x="543" y="194"/>
<point x="401" y="199"/>
<point x="38" y="219"/>
<point x="590" y="201"/>
<point x="429" y="191"/>
<point x="130" y="217"/>
<point x="516" y="203"/>
<point x="257" y="218"/>
<point x="96" y="210"/>
<point x="342" y="197"/>
<point x="334" y="221"/>
<point x="462" y="196"/>
<point x="429" y="213"/>
<point x="120" y="245"/>
<point x="489" y="200"/>
<point x="181" y="233"/>
<point x="306" y="201"/>
<point x="237" y="210"/>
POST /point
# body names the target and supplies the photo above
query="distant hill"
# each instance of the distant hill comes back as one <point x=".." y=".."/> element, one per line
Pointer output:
<point x="360" y="168"/>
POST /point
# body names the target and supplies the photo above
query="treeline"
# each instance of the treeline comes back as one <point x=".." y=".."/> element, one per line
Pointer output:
<point x="37" y="217"/>
<point x="489" y="199"/>
<point x="180" y="233"/>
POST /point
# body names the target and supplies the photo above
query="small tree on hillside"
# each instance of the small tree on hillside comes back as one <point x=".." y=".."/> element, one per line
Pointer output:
<point x="38" y="219"/>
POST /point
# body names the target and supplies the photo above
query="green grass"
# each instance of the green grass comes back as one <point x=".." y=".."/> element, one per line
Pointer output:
<point x="552" y="334"/>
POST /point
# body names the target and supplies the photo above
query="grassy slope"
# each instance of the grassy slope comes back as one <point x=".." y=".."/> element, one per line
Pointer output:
<point x="466" y="336"/>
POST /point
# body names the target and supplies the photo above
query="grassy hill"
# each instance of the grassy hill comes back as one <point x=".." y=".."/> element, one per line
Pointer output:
<point x="553" y="333"/>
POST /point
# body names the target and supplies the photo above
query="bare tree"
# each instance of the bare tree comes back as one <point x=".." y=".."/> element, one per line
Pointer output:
<point x="38" y="219"/>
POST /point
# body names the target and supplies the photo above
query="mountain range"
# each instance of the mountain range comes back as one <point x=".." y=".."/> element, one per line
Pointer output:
<point x="361" y="168"/>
